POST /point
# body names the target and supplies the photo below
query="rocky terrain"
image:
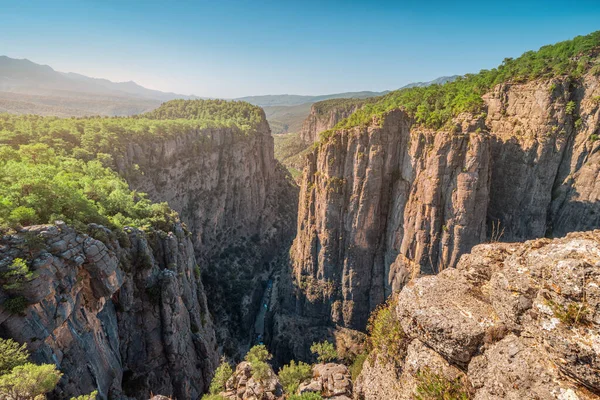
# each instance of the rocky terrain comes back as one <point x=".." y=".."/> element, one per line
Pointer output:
<point x="126" y="316"/>
<point x="383" y="203"/>
<point x="511" y="321"/>
<point x="238" y="202"/>
<point x="325" y="115"/>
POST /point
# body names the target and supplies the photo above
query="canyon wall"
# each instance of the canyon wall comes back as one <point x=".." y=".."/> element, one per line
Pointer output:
<point x="239" y="203"/>
<point x="122" y="314"/>
<point x="325" y="115"/>
<point x="523" y="321"/>
<point x="383" y="203"/>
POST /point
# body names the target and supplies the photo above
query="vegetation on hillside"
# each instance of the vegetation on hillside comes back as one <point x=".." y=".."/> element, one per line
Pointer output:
<point x="85" y="137"/>
<point x="219" y="112"/>
<point x="38" y="187"/>
<point x="222" y="374"/>
<point x="290" y="151"/>
<point x="23" y="380"/>
<point x="53" y="168"/>
<point x="325" y="351"/>
<point x="258" y="357"/>
<point x="433" y="106"/>
<point x="292" y="375"/>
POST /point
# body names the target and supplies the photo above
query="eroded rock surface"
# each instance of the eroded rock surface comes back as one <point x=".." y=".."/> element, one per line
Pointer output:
<point x="384" y="203"/>
<point x="243" y="386"/>
<point x="518" y="321"/>
<point x="125" y="315"/>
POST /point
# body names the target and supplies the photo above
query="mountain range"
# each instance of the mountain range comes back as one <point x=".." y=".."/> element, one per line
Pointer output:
<point x="27" y="87"/>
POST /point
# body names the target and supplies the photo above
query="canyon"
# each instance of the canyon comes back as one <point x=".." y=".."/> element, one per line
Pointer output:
<point x="475" y="238"/>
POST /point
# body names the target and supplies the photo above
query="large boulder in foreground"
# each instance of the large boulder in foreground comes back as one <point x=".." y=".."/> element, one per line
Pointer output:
<point x="331" y="381"/>
<point x="243" y="386"/>
<point x="512" y="321"/>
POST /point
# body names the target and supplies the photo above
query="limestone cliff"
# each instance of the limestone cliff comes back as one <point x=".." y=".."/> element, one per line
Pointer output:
<point x="324" y="115"/>
<point x="384" y="203"/>
<point x="122" y="314"/>
<point x="238" y="202"/>
<point x="513" y="320"/>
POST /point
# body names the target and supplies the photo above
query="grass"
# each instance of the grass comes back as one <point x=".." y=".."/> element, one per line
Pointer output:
<point x="431" y="386"/>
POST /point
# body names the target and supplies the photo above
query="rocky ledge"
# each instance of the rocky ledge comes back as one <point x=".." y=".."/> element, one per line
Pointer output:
<point x="512" y="321"/>
<point x="123" y="313"/>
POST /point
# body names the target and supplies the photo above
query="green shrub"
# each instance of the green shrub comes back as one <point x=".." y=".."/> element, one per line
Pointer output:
<point x="213" y="397"/>
<point x="306" y="396"/>
<point x="292" y="375"/>
<point x="386" y="336"/>
<point x="91" y="396"/>
<point x="258" y="357"/>
<point x="431" y="386"/>
<point x="12" y="354"/>
<point x="222" y="374"/>
<point x="570" y="108"/>
<point x="28" y="381"/>
<point x="15" y="305"/>
<point x="357" y="365"/>
<point x="325" y="351"/>
<point x="571" y="315"/>
<point x="16" y="275"/>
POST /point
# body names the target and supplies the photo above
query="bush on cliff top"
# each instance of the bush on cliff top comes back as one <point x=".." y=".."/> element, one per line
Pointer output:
<point x="40" y="187"/>
<point x="22" y="380"/>
<point x="387" y="339"/>
<point x="325" y="351"/>
<point x="258" y="357"/>
<point x="292" y="375"/>
<point x="433" y="106"/>
<point x="222" y="374"/>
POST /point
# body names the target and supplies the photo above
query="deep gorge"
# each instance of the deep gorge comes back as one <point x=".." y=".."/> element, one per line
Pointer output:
<point x="389" y="209"/>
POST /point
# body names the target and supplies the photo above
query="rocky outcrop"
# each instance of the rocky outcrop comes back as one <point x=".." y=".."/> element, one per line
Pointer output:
<point x="239" y="203"/>
<point x="242" y="386"/>
<point x="324" y="115"/>
<point x="378" y="201"/>
<point x="384" y="203"/>
<point x="515" y="321"/>
<point x="331" y="381"/>
<point x="124" y="314"/>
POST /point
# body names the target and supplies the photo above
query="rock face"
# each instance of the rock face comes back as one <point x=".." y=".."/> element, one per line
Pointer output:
<point x="384" y="203"/>
<point x="239" y="203"/>
<point x="325" y="115"/>
<point x="243" y="386"/>
<point x="126" y="315"/>
<point x="331" y="381"/>
<point x="516" y="321"/>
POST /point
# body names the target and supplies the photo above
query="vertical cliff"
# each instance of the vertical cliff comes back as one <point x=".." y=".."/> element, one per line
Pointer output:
<point x="124" y="314"/>
<point x="324" y="115"/>
<point x="238" y="202"/>
<point x="384" y="202"/>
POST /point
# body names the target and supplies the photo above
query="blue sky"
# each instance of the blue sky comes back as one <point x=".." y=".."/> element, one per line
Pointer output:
<point x="232" y="48"/>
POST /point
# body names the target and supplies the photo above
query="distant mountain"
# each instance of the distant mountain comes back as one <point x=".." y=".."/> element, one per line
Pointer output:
<point x="439" y="81"/>
<point x="294" y="99"/>
<point x="286" y="115"/>
<point x="27" y="87"/>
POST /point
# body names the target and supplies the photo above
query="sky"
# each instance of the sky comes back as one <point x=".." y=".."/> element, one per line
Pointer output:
<point x="234" y="48"/>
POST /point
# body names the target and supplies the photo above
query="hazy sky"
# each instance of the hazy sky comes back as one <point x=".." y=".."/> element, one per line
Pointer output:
<point x="225" y="48"/>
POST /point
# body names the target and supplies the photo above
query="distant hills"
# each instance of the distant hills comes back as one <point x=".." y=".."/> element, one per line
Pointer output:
<point x="294" y="99"/>
<point x="30" y="88"/>
<point x="27" y="87"/>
